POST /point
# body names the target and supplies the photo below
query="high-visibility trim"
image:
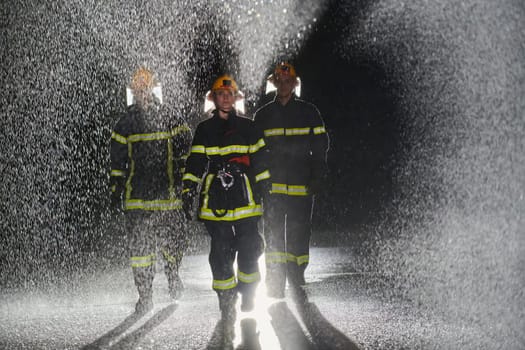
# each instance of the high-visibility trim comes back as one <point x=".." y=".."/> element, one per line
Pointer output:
<point x="142" y="261"/>
<point x="289" y="131"/>
<point x="319" y="130"/>
<point x="198" y="149"/>
<point x="274" y="132"/>
<point x="212" y="151"/>
<point x="276" y="257"/>
<point x="171" y="179"/>
<point x="230" y="283"/>
<point x="118" y="173"/>
<point x="168" y="257"/>
<point x="131" y="172"/>
<point x="232" y="215"/>
<point x="303" y="259"/>
<point x="180" y="129"/>
<point x="249" y="277"/>
<point x="113" y="188"/>
<point x="257" y="146"/>
<point x="250" y="210"/>
<point x="262" y="176"/>
<point x="191" y="177"/>
<point x="161" y="204"/>
<point x="154" y="136"/>
<point x="283" y="258"/>
<point x="290" y="190"/>
<point x="119" y="138"/>
<point x="297" y="131"/>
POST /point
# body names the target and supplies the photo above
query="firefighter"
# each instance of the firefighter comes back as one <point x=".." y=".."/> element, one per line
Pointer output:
<point x="297" y="144"/>
<point x="148" y="150"/>
<point x="225" y="163"/>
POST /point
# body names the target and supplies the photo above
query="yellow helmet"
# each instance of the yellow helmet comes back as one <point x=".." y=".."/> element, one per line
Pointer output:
<point x="285" y="68"/>
<point x="142" y="80"/>
<point x="225" y="82"/>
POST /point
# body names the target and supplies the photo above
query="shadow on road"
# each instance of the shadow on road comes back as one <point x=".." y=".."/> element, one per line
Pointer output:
<point x="288" y="329"/>
<point x="249" y="335"/>
<point x="324" y="334"/>
<point x="134" y="337"/>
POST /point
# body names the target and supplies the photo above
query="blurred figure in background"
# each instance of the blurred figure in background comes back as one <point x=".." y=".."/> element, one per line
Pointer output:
<point x="148" y="151"/>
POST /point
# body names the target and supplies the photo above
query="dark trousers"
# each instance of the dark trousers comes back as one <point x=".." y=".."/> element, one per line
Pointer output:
<point x="287" y="231"/>
<point x="229" y="240"/>
<point x="151" y="232"/>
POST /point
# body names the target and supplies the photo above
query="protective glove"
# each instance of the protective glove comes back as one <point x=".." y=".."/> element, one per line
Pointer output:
<point x="187" y="204"/>
<point x="116" y="202"/>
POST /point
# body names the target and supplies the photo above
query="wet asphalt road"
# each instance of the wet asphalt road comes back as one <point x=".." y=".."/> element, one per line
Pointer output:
<point x="96" y="312"/>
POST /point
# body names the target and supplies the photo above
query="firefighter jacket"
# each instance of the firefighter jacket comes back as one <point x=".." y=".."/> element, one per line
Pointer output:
<point x="226" y="161"/>
<point x="148" y="151"/>
<point x="297" y="144"/>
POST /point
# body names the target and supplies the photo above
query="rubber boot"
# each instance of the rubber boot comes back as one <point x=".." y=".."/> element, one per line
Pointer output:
<point x="227" y="302"/>
<point x="175" y="285"/>
<point x="275" y="281"/>
<point x="144" y="281"/>
<point x="248" y="301"/>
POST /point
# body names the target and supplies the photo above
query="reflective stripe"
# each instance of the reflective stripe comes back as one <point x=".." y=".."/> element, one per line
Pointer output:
<point x="276" y="257"/>
<point x="291" y="190"/>
<point x="119" y="138"/>
<point x="225" y="284"/>
<point x="168" y="257"/>
<point x="120" y="173"/>
<point x="142" y="261"/>
<point x="249" y="277"/>
<point x="274" y="132"/>
<point x="232" y="215"/>
<point x="297" y="131"/>
<point x="288" y="131"/>
<point x="227" y="150"/>
<point x="260" y="144"/>
<point x="198" y="149"/>
<point x="179" y="129"/>
<point x="161" y="204"/>
<point x="319" y="130"/>
<point x="171" y="179"/>
<point x="191" y="177"/>
<point x="283" y="258"/>
<point x="303" y="259"/>
<point x="264" y="175"/>
<point x="162" y="135"/>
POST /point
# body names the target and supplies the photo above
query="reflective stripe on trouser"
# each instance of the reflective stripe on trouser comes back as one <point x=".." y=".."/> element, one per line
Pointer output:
<point x="227" y="240"/>
<point x="287" y="231"/>
<point x="147" y="231"/>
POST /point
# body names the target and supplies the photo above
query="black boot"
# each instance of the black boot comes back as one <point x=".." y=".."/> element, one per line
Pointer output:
<point x="171" y="268"/>
<point x="248" y="301"/>
<point x="144" y="305"/>
<point x="227" y="302"/>
<point x="144" y="282"/>
<point x="175" y="285"/>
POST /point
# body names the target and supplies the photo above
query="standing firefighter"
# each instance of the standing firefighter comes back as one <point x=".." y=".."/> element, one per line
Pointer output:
<point x="225" y="162"/>
<point x="148" y="148"/>
<point x="297" y="144"/>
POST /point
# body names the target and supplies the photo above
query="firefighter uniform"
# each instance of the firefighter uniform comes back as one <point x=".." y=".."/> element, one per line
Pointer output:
<point x="297" y="144"/>
<point x="225" y="163"/>
<point x="148" y="151"/>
